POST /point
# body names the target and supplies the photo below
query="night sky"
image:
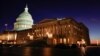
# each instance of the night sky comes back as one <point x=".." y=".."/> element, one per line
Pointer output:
<point x="86" y="11"/>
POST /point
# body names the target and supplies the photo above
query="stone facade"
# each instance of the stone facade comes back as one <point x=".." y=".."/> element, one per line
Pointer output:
<point x="65" y="30"/>
<point x="56" y="31"/>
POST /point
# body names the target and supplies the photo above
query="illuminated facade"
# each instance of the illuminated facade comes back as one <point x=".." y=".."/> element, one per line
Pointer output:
<point x="55" y="30"/>
<point x="64" y="30"/>
<point x="16" y="37"/>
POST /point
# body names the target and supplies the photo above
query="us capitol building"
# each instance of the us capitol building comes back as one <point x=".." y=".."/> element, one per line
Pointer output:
<point x="55" y="30"/>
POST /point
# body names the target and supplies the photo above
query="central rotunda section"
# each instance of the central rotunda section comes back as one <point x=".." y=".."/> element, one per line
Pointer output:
<point x="24" y="21"/>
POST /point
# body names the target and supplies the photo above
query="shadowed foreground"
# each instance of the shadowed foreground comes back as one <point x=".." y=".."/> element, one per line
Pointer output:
<point x="37" y="51"/>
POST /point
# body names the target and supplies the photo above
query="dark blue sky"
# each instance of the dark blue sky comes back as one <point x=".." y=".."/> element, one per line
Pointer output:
<point x="86" y="11"/>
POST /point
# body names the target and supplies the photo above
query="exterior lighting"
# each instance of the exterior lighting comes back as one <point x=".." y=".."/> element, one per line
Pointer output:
<point x="55" y="41"/>
<point x="60" y="40"/>
<point x="30" y="36"/>
<point x="97" y="42"/>
<point x="83" y="41"/>
<point x="68" y="40"/>
<point x="64" y="40"/>
<point x="15" y="36"/>
<point x="68" y="25"/>
<point x="49" y="35"/>
<point x="0" y="41"/>
<point x="78" y="42"/>
<point x="8" y="37"/>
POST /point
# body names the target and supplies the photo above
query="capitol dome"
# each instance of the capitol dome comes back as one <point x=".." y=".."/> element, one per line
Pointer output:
<point x="24" y="21"/>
